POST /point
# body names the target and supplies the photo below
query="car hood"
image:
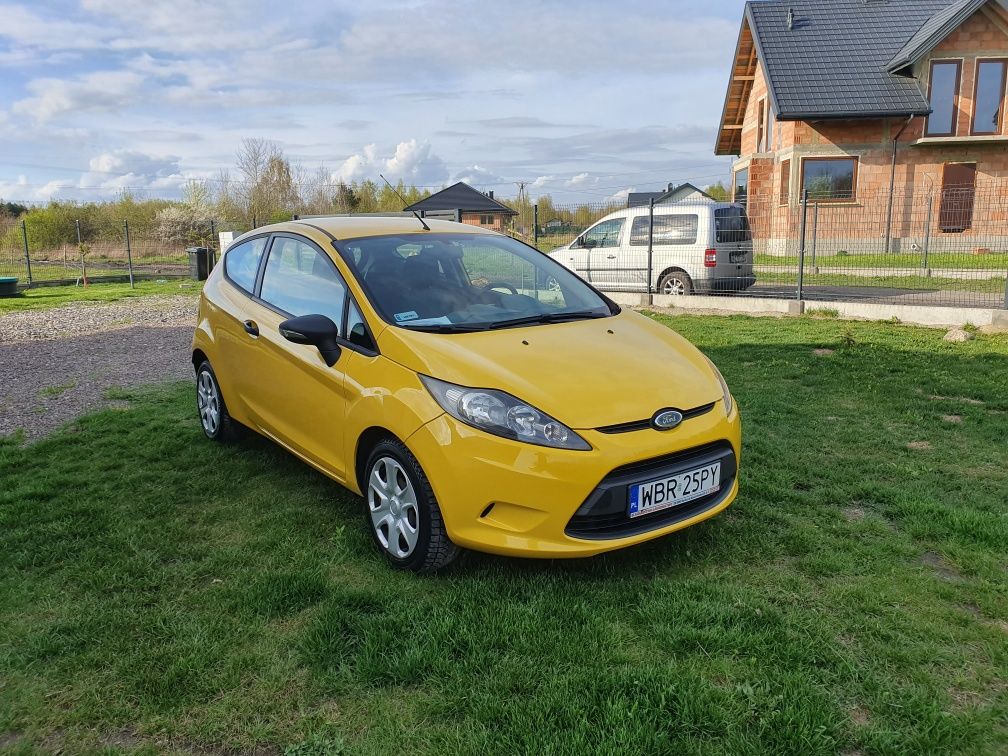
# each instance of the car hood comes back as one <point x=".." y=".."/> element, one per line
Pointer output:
<point x="585" y="373"/>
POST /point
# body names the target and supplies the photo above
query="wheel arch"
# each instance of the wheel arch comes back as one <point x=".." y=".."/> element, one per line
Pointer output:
<point x="366" y="442"/>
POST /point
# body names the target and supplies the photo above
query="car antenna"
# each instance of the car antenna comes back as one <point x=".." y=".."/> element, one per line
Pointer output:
<point x="405" y="204"/>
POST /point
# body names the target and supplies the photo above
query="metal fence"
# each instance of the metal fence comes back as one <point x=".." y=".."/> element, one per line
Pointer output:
<point x="937" y="248"/>
<point x="70" y="252"/>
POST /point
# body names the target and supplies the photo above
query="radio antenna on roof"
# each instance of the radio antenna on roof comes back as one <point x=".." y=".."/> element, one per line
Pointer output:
<point x="405" y="204"/>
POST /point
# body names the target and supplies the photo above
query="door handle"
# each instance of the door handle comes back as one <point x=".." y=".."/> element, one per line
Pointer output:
<point x="610" y="257"/>
<point x="251" y="328"/>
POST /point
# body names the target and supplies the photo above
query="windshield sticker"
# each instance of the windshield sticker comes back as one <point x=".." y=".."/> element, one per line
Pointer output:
<point x="443" y="320"/>
<point x="402" y="317"/>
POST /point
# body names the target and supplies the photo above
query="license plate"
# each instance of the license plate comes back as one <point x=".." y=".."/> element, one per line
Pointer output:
<point x="664" y="493"/>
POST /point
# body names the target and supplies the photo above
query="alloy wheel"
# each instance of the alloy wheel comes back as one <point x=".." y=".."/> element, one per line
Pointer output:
<point x="392" y="501"/>
<point x="675" y="287"/>
<point x="208" y="403"/>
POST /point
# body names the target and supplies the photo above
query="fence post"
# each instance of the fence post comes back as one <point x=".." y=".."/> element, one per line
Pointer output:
<point x="27" y="257"/>
<point x="458" y="215"/>
<point x="129" y="252"/>
<point x="815" y="231"/>
<point x="80" y="251"/>
<point x="927" y="232"/>
<point x="535" y="225"/>
<point x="650" y="245"/>
<point x="211" y="249"/>
<point x="801" y="244"/>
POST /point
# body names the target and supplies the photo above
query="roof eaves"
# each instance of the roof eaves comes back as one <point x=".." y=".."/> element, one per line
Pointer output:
<point x="920" y="45"/>
<point x="731" y="76"/>
<point x="851" y="116"/>
<point x="760" y="58"/>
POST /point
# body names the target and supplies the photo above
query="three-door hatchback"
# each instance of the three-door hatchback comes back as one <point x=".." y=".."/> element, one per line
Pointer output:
<point x="476" y="393"/>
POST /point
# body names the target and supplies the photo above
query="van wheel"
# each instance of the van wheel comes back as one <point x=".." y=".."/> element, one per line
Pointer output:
<point x="676" y="284"/>
<point x="403" y="514"/>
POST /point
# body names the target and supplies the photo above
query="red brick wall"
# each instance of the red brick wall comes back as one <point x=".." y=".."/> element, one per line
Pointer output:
<point x="474" y="219"/>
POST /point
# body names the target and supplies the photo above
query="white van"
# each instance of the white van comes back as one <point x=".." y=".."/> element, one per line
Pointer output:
<point x="696" y="247"/>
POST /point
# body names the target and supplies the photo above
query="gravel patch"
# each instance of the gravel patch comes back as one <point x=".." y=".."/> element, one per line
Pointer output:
<point x="60" y="363"/>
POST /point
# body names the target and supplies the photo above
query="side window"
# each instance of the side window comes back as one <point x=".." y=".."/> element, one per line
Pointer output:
<point x="302" y="281"/>
<point x="241" y="263"/>
<point x="605" y="234"/>
<point x="668" y="229"/>
<point x="356" y="331"/>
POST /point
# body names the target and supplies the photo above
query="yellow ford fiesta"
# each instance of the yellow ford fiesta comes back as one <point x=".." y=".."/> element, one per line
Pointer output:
<point x="472" y="390"/>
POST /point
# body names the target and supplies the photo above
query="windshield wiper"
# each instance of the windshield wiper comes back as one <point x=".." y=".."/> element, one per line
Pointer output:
<point x="549" y="317"/>
<point x="449" y="327"/>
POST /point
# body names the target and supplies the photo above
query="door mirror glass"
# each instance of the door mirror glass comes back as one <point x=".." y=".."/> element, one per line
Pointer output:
<point x="318" y="331"/>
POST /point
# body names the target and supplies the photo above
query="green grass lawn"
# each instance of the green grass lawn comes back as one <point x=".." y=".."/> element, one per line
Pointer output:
<point x="44" y="297"/>
<point x="919" y="283"/>
<point x="161" y="592"/>
<point x="938" y="260"/>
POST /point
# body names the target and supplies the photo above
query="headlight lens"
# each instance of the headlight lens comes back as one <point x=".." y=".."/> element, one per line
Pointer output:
<point x="501" y="414"/>
<point x="729" y="402"/>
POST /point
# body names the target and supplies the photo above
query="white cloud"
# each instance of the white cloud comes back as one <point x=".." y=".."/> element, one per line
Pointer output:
<point x="621" y="195"/>
<point x="477" y="175"/>
<point x="580" y="181"/>
<point x="98" y="90"/>
<point x="135" y="170"/>
<point x="414" y="162"/>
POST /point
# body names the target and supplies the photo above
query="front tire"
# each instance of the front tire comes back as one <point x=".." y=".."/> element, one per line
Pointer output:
<point x="402" y="513"/>
<point x="210" y="408"/>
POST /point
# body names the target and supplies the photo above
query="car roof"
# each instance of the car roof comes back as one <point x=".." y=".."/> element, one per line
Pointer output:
<point x="667" y="208"/>
<point x="356" y="226"/>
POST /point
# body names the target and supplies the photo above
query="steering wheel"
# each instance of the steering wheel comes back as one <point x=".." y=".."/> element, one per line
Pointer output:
<point x="500" y="285"/>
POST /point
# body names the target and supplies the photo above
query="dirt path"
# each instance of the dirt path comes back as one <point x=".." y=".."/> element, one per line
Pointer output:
<point x="59" y="364"/>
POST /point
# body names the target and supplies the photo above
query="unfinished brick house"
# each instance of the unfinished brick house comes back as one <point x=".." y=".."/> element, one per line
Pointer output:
<point x="478" y="209"/>
<point x="889" y="113"/>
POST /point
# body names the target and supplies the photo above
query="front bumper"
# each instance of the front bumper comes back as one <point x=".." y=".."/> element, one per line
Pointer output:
<point x="513" y="498"/>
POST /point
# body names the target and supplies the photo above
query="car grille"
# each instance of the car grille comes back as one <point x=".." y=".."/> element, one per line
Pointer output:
<point x="603" y="515"/>
<point x="636" y="425"/>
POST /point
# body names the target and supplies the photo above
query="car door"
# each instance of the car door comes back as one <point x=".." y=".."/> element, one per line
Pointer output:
<point x="235" y="333"/>
<point x="602" y="242"/>
<point x="300" y="401"/>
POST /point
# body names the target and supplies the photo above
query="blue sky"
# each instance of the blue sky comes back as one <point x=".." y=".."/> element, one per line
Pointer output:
<point x="580" y="100"/>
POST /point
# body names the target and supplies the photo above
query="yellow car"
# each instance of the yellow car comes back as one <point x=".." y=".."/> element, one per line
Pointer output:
<point x="472" y="390"/>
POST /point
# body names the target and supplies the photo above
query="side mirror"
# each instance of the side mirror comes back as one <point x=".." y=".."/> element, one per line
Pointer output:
<point x="316" y="330"/>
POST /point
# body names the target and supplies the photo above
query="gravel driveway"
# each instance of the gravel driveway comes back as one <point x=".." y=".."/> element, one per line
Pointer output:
<point x="58" y="364"/>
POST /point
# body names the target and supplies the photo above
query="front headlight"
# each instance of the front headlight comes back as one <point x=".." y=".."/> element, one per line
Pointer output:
<point x="501" y="414"/>
<point x="728" y="401"/>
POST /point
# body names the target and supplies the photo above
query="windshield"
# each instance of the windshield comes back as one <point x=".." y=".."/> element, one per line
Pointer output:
<point x="465" y="282"/>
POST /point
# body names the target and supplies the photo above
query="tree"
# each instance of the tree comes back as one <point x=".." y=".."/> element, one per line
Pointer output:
<point x="719" y="192"/>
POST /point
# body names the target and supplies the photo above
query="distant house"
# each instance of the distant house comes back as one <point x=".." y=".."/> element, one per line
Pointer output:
<point x="682" y="193"/>
<point x="856" y="100"/>
<point x="477" y="208"/>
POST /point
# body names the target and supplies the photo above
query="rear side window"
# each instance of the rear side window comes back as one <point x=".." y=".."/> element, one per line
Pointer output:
<point x="731" y="225"/>
<point x="668" y="229"/>
<point x="302" y="281"/>
<point x="241" y="263"/>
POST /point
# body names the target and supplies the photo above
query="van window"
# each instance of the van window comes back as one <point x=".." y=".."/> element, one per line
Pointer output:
<point x="605" y="234"/>
<point x="731" y="225"/>
<point x="668" y="229"/>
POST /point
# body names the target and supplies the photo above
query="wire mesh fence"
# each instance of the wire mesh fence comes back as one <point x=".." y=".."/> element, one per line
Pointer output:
<point x="71" y="252"/>
<point x="937" y="248"/>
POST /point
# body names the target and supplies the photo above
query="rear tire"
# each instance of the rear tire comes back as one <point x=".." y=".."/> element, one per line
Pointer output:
<point x="676" y="283"/>
<point x="210" y="407"/>
<point x="402" y="513"/>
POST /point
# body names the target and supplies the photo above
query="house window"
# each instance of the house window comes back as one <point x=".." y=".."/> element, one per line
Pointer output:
<point x="943" y="93"/>
<point x="769" y="128"/>
<point x="785" y="182"/>
<point x="740" y="192"/>
<point x="829" y="179"/>
<point x="988" y="97"/>
<point x="486" y="220"/>
<point x="761" y="126"/>
<point x="958" y="190"/>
